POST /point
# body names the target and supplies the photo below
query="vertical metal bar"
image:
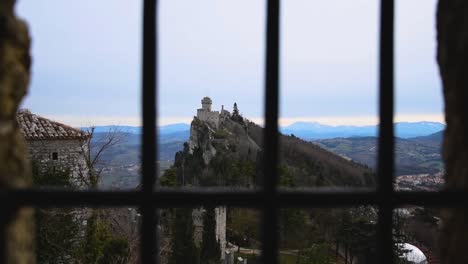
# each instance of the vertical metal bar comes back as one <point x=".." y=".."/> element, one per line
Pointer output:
<point x="386" y="133"/>
<point x="149" y="247"/>
<point x="3" y="225"/>
<point x="270" y="211"/>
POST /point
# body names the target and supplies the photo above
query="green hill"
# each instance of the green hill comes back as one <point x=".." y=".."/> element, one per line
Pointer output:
<point x="412" y="156"/>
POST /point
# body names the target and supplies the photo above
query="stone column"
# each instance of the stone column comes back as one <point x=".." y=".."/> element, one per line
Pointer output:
<point x="15" y="64"/>
<point x="452" y="56"/>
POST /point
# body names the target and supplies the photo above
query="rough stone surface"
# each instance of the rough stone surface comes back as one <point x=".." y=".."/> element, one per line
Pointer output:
<point x="205" y="114"/>
<point x="15" y="172"/>
<point x="220" y="217"/>
<point x="452" y="56"/>
<point x="69" y="153"/>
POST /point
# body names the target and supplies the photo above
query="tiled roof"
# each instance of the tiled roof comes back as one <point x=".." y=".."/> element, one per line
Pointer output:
<point x="36" y="127"/>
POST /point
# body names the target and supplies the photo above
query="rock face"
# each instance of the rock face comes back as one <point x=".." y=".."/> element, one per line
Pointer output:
<point x="15" y="63"/>
<point x="220" y="217"/>
<point x="228" y="135"/>
<point x="452" y="56"/>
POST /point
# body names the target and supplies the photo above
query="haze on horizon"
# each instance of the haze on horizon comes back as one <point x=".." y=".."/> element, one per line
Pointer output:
<point x="86" y="60"/>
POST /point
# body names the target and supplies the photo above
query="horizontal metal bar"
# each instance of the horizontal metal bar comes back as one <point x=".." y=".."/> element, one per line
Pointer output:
<point x="243" y="198"/>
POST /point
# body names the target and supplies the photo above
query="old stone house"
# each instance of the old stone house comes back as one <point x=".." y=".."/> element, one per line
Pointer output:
<point x="55" y="146"/>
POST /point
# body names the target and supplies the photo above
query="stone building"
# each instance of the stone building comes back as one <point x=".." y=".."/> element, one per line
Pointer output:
<point x="55" y="146"/>
<point x="210" y="117"/>
<point x="220" y="217"/>
<point x="205" y="114"/>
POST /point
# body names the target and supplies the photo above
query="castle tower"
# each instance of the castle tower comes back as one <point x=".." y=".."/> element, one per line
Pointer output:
<point x="205" y="113"/>
<point x="206" y="103"/>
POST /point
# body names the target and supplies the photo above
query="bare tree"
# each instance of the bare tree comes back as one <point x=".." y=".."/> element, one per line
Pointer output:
<point x="93" y="149"/>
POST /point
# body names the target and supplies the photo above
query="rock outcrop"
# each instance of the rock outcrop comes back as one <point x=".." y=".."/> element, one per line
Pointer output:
<point x="15" y="63"/>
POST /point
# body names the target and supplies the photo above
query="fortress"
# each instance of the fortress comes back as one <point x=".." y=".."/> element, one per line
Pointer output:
<point x="212" y="117"/>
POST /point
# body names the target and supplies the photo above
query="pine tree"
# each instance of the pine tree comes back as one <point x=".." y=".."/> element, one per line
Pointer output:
<point x="183" y="248"/>
<point x="235" y="110"/>
<point x="235" y="114"/>
<point x="210" y="249"/>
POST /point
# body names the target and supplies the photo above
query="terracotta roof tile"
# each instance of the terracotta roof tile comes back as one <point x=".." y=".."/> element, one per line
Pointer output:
<point x="36" y="127"/>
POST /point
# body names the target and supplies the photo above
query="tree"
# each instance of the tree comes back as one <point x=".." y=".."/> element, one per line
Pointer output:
<point x="60" y="236"/>
<point x="57" y="231"/>
<point x="286" y="177"/>
<point x="210" y="250"/>
<point x="92" y="152"/>
<point x="317" y="254"/>
<point x="357" y="233"/>
<point x="235" y="110"/>
<point x="399" y="238"/>
<point x="183" y="249"/>
<point x="235" y="115"/>
<point x="100" y="246"/>
<point x="169" y="178"/>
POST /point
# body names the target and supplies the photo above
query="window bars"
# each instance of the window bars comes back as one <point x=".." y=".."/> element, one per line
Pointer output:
<point x="269" y="199"/>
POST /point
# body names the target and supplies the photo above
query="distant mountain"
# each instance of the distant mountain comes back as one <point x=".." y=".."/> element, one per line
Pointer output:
<point x="123" y="129"/>
<point x="417" y="129"/>
<point x="314" y="130"/>
<point x="163" y="130"/>
<point x="419" y="154"/>
<point x="304" y="130"/>
<point x="172" y="128"/>
<point x="434" y="140"/>
<point x="416" y="155"/>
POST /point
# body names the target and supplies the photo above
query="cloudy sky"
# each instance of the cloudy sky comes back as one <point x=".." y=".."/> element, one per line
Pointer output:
<point x="87" y="56"/>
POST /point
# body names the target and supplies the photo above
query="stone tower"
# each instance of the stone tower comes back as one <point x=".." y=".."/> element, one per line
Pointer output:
<point x="206" y="104"/>
<point x="205" y="114"/>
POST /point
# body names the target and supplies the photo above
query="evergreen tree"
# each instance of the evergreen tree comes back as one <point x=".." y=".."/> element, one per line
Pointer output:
<point x="235" y="114"/>
<point x="210" y="249"/>
<point x="183" y="248"/>
<point x="58" y="237"/>
<point x="56" y="229"/>
<point x="100" y="246"/>
<point x="235" y="110"/>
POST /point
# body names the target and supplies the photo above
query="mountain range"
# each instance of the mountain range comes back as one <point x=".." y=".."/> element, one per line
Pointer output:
<point x="314" y="130"/>
<point x="417" y="145"/>
<point x="304" y="130"/>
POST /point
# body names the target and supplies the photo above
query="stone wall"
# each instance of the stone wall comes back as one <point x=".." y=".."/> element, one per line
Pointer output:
<point x="452" y="56"/>
<point x="211" y="117"/>
<point x="220" y="216"/>
<point x="220" y="213"/>
<point x="71" y="154"/>
<point x="15" y="62"/>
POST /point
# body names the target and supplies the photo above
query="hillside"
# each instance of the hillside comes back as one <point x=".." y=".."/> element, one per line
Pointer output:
<point x="413" y="155"/>
<point x="231" y="154"/>
<point x="313" y="165"/>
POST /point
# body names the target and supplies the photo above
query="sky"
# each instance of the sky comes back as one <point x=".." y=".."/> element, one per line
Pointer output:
<point x="87" y="60"/>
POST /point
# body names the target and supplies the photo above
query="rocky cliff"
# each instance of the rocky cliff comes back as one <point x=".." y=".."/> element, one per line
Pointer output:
<point x="230" y="154"/>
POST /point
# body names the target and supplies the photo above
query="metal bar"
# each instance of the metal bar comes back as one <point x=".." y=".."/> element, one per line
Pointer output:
<point x="270" y="144"/>
<point x="243" y="198"/>
<point x="386" y="133"/>
<point x="4" y="215"/>
<point x="148" y="234"/>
